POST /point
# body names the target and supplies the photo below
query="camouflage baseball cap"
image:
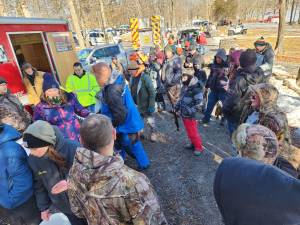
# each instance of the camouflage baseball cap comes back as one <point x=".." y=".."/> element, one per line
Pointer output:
<point x="256" y="142"/>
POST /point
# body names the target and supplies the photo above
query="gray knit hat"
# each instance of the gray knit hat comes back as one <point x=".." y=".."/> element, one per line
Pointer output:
<point x="40" y="131"/>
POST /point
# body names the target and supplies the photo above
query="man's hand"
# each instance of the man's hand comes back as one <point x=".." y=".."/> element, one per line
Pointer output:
<point x="60" y="187"/>
<point x="45" y="215"/>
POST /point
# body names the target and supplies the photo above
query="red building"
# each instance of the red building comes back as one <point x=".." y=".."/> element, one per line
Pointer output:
<point x="45" y="43"/>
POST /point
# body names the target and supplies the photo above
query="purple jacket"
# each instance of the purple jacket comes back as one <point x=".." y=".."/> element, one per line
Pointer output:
<point x="63" y="116"/>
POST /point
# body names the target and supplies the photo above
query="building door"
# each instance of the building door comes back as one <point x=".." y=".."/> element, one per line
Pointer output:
<point x="62" y="48"/>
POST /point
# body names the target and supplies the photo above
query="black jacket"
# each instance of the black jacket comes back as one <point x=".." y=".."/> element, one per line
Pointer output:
<point x="47" y="173"/>
<point x="217" y="80"/>
<point x="237" y="97"/>
<point x="251" y="193"/>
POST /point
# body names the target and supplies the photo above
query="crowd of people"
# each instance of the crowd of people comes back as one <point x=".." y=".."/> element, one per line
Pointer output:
<point x="66" y="153"/>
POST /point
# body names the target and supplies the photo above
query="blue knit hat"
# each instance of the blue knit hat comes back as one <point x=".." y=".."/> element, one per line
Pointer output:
<point x="49" y="82"/>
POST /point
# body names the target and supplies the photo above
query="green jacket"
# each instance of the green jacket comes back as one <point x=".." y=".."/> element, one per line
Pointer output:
<point x="145" y="95"/>
<point x="85" y="88"/>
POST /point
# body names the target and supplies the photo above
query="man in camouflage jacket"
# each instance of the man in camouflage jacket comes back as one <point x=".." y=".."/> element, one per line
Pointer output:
<point x="102" y="189"/>
<point x="11" y="110"/>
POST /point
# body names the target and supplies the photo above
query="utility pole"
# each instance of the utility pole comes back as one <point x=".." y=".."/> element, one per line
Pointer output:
<point x="76" y="23"/>
<point x="104" y="21"/>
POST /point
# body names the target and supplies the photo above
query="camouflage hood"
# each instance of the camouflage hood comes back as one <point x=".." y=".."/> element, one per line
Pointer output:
<point x="268" y="96"/>
<point x="255" y="142"/>
<point x="95" y="167"/>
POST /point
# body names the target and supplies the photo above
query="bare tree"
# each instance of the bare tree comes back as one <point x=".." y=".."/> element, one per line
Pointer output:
<point x="76" y="23"/>
<point x="282" y="16"/>
<point x="292" y="12"/>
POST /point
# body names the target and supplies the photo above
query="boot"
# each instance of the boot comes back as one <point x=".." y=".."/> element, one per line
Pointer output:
<point x="197" y="153"/>
<point x="189" y="147"/>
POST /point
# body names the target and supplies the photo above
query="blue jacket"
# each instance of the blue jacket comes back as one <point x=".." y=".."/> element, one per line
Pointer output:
<point x="117" y="103"/>
<point x="252" y="193"/>
<point x="15" y="175"/>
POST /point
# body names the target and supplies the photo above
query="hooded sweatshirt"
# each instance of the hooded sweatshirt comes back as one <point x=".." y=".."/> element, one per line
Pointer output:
<point x="47" y="173"/>
<point x="105" y="191"/>
<point x="252" y="193"/>
<point x="217" y="80"/>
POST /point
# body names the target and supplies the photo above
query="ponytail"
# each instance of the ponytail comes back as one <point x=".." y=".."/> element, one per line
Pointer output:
<point x="56" y="157"/>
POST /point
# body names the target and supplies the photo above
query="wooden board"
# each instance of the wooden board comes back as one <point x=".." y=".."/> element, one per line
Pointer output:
<point x="62" y="48"/>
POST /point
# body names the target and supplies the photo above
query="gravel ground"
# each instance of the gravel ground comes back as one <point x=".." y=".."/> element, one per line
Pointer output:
<point x="184" y="183"/>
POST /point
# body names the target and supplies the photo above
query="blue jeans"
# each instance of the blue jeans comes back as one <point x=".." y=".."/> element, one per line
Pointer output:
<point x="231" y="127"/>
<point x="135" y="149"/>
<point x="213" y="98"/>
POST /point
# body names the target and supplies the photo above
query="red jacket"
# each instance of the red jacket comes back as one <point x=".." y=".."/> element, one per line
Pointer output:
<point x="201" y="40"/>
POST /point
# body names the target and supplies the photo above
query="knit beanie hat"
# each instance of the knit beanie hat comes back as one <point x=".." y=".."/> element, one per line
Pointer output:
<point x="260" y="42"/>
<point x="2" y="81"/>
<point x="26" y="65"/>
<point x="248" y="58"/>
<point x="49" y="82"/>
<point x="39" y="134"/>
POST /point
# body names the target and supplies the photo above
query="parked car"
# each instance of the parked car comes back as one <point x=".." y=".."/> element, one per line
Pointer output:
<point x="238" y="29"/>
<point x="90" y="56"/>
<point x="96" y="38"/>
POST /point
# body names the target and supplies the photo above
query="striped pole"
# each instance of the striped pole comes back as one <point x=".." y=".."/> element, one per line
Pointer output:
<point x="135" y="36"/>
<point x="155" y="24"/>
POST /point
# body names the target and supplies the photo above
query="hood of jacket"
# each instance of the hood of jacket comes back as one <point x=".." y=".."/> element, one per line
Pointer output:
<point x="221" y="53"/>
<point x="96" y="168"/>
<point x="268" y="96"/>
<point x="8" y="133"/>
<point x="249" y="192"/>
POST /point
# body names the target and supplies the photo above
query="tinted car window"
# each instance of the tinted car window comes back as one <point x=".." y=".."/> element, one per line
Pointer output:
<point x="106" y="52"/>
<point x="94" y="35"/>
